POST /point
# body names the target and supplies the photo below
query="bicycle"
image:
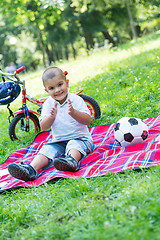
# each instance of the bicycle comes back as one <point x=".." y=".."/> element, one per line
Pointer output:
<point x="26" y="120"/>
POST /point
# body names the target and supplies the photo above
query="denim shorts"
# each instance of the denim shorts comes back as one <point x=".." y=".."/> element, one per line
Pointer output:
<point x="56" y="149"/>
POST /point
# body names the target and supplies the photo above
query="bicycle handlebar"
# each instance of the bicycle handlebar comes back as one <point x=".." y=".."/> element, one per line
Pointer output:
<point x="11" y="75"/>
<point x="20" y="69"/>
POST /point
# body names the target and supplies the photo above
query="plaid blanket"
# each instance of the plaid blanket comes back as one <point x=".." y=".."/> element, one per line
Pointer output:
<point x="107" y="156"/>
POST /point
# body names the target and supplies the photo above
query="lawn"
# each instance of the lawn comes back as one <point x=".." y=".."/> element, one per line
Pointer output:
<point x="124" y="81"/>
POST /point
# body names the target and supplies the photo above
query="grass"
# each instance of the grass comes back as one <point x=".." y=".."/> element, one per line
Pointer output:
<point x="119" y="206"/>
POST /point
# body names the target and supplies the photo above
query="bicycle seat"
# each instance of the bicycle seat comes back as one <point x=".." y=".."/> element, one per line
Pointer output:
<point x="9" y="91"/>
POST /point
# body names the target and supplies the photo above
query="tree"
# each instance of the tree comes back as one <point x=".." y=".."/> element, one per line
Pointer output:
<point x="7" y="48"/>
<point x="132" y="24"/>
<point x="33" y="14"/>
<point x="56" y="25"/>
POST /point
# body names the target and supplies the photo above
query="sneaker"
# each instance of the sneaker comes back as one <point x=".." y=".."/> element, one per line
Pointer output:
<point x="22" y="171"/>
<point x="67" y="163"/>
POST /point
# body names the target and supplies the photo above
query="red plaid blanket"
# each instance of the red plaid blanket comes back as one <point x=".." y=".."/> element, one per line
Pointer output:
<point x="107" y="156"/>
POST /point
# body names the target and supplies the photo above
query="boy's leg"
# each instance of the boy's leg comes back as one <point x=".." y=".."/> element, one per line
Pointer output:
<point x="75" y="154"/>
<point x="27" y="172"/>
<point x="79" y="148"/>
<point x="75" y="150"/>
<point x="40" y="161"/>
<point x="67" y="163"/>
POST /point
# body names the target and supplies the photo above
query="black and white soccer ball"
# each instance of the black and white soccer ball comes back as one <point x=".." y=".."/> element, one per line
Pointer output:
<point x="130" y="130"/>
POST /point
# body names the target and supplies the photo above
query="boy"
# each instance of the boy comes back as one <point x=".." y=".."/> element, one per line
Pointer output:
<point x="68" y="116"/>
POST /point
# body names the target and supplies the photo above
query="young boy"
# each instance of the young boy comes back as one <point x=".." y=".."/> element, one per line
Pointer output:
<point x="68" y="116"/>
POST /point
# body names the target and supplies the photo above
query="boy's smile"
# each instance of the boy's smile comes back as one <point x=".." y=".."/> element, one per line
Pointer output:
<point x="57" y="88"/>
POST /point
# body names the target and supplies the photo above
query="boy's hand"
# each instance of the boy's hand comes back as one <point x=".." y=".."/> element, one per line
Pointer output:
<point x="47" y="122"/>
<point x="53" y="111"/>
<point x="70" y="108"/>
<point x="80" y="117"/>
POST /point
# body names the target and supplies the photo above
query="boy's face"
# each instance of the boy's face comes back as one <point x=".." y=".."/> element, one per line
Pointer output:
<point x="57" y="88"/>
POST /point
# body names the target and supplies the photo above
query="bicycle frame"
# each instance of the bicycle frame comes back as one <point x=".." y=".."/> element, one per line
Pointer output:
<point x="25" y="97"/>
<point x="25" y="109"/>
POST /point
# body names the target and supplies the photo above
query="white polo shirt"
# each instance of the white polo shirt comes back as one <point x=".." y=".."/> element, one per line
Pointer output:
<point x="64" y="126"/>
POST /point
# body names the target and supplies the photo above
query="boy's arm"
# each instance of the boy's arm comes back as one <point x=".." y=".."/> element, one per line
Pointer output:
<point x="47" y="122"/>
<point x="80" y="117"/>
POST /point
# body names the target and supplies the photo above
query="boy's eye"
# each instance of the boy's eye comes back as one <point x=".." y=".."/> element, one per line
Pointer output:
<point x="60" y="84"/>
<point x="51" y="88"/>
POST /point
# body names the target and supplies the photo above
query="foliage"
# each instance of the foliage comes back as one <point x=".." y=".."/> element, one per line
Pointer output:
<point x="124" y="81"/>
<point x="60" y="28"/>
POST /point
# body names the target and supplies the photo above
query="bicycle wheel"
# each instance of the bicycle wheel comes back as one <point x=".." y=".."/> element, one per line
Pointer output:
<point x="17" y="126"/>
<point x="92" y="105"/>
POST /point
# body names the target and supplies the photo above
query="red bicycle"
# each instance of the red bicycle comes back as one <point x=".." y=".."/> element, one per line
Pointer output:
<point x="26" y="120"/>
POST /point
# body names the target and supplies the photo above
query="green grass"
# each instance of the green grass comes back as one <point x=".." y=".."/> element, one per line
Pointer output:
<point x="125" y="82"/>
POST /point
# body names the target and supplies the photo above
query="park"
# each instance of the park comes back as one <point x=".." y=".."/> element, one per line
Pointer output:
<point x="122" y="75"/>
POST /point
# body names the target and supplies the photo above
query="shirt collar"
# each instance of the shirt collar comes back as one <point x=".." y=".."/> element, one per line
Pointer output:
<point x="66" y="101"/>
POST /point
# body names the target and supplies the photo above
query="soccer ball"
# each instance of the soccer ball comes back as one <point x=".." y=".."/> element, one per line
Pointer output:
<point x="129" y="131"/>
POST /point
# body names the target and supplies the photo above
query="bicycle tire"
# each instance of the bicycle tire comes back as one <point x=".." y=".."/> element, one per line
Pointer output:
<point x="16" y="132"/>
<point x="92" y="105"/>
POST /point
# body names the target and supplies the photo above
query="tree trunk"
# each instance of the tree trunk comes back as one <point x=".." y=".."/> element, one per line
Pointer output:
<point x="53" y="52"/>
<point x="74" y="50"/>
<point x="131" y="20"/>
<point x="41" y="43"/>
<point x="49" y="55"/>
<point x="89" y="40"/>
<point x="60" y="53"/>
<point x="66" y="52"/>
<point x="57" y="55"/>
<point x="108" y="36"/>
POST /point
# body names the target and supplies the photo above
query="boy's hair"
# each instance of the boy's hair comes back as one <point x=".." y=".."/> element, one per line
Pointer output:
<point x="52" y="72"/>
